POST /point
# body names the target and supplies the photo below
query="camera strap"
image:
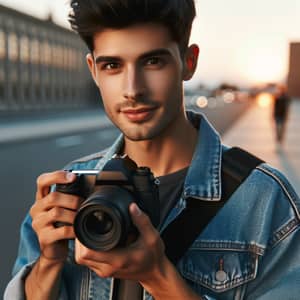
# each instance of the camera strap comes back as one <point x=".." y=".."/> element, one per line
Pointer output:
<point x="237" y="164"/>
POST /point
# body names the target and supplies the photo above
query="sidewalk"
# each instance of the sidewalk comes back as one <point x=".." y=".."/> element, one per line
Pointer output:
<point x="45" y="125"/>
<point x="255" y="133"/>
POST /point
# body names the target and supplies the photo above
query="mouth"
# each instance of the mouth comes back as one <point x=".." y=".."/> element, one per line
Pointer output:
<point x="139" y="114"/>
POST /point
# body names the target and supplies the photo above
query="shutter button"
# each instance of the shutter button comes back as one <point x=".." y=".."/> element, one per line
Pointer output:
<point x="221" y="275"/>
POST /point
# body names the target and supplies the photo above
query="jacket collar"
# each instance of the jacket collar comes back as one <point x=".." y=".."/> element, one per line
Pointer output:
<point x="203" y="179"/>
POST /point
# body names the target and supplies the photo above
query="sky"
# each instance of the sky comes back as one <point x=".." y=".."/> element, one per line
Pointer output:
<point x="241" y="42"/>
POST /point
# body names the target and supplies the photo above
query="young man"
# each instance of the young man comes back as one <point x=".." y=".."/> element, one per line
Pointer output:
<point x="139" y="58"/>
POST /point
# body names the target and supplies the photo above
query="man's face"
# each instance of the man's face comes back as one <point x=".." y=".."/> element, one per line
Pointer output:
<point x="139" y="72"/>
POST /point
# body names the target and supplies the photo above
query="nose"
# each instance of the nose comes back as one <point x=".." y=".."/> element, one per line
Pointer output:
<point x="133" y="84"/>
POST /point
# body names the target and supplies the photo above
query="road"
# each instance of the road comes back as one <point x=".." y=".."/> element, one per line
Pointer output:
<point x="31" y="147"/>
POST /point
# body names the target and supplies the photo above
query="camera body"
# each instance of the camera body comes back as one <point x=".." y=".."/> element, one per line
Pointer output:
<point x="103" y="221"/>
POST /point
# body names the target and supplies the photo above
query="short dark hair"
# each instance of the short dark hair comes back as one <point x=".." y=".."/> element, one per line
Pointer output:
<point x="89" y="16"/>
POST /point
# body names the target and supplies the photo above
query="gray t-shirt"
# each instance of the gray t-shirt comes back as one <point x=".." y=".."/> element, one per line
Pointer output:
<point x="170" y="190"/>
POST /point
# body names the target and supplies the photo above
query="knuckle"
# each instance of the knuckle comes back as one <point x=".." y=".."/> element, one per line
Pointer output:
<point x="81" y="256"/>
<point x="154" y="240"/>
<point x="40" y="180"/>
<point x="100" y="273"/>
<point x="34" y="225"/>
<point x="136" y="259"/>
<point x="56" y="212"/>
<point x="75" y="202"/>
<point x="31" y="212"/>
<point x="119" y="264"/>
<point x="65" y="230"/>
<point x="43" y="240"/>
<point x="78" y="258"/>
<point x="37" y="194"/>
<point x="51" y="199"/>
<point x="84" y="253"/>
<point x="106" y="272"/>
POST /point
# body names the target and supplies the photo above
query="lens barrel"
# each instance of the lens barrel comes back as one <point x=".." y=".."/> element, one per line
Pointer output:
<point x="103" y="221"/>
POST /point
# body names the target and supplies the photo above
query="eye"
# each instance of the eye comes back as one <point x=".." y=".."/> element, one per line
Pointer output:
<point x="154" y="61"/>
<point x="110" y="66"/>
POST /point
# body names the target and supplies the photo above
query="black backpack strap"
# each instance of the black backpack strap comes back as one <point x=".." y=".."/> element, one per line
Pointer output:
<point x="179" y="235"/>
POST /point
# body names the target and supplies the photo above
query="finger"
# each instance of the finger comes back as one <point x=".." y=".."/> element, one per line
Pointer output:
<point x="46" y="180"/>
<point x="97" y="261"/>
<point x="55" y="199"/>
<point x="50" y="235"/>
<point x="56" y="214"/>
<point x="84" y="254"/>
<point x="141" y="220"/>
<point x="102" y="270"/>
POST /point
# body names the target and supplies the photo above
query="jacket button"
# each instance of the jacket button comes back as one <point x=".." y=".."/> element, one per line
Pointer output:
<point x="221" y="276"/>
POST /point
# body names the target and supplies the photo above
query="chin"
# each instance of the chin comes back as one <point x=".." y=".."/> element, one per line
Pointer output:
<point x="137" y="138"/>
<point x="143" y="132"/>
<point x="137" y="135"/>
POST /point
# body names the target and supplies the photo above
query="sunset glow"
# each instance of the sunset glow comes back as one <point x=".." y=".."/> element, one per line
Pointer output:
<point x="264" y="99"/>
<point x="265" y="68"/>
<point x="241" y="42"/>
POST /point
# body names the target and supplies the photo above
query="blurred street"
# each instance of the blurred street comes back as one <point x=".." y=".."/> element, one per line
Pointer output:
<point x="255" y="132"/>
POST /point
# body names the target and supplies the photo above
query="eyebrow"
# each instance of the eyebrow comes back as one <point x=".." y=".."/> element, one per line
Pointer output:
<point x="156" y="52"/>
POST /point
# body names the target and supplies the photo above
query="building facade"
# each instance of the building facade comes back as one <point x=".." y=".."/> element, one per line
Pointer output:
<point x="294" y="70"/>
<point x="42" y="66"/>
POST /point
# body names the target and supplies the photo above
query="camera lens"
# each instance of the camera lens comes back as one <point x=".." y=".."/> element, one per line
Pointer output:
<point x="99" y="222"/>
<point x="99" y="226"/>
<point x="103" y="221"/>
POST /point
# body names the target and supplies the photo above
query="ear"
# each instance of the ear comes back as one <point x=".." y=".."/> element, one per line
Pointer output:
<point x="91" y="64"/>
<point x="190" y="61"/>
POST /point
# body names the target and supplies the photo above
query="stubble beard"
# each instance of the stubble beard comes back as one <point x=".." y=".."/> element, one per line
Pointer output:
<point x="137" y="131"/>
<point x="147" y="132"/>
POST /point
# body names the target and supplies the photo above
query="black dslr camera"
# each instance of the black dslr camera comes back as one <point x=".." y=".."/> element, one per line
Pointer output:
<point x="103" y="220"/>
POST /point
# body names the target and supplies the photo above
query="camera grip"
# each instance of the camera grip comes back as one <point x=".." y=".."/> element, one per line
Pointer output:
<point x="73" y="188"/>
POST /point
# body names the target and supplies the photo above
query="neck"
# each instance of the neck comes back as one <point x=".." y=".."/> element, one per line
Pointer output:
<point x="167" y="153"/>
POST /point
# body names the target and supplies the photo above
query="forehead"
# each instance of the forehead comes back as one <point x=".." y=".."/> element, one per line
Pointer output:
<point x="134" y="40"/>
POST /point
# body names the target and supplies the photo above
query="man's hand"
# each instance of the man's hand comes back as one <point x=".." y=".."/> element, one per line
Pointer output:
<point x="143" y="260"/>
<point x="50" y="208"/>
<point x="138" y="261"/>
<point x="43" y="282"/>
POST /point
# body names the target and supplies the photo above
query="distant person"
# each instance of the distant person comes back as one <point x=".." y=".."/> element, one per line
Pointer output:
<point x="139" y="56"/>
<point x="280" y="112"/>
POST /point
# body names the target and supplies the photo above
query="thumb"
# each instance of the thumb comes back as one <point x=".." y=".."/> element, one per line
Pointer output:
<point x="140" y="220"/>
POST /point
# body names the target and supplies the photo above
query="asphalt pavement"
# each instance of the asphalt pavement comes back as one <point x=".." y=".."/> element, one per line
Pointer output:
<point x="255" y="132"/>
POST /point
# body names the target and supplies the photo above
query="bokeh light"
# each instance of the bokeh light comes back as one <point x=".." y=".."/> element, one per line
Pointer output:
<point x="202" y="102"/>
<point x="264" y="99"/>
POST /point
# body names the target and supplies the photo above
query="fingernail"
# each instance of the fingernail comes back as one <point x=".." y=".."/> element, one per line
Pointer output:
<point x="70" y="176"/>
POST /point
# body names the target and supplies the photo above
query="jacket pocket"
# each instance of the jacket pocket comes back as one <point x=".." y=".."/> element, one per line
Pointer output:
<point x="219" y="270"/>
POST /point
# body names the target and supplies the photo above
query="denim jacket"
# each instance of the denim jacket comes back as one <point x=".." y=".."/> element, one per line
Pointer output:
<point x="249" y="250"/>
